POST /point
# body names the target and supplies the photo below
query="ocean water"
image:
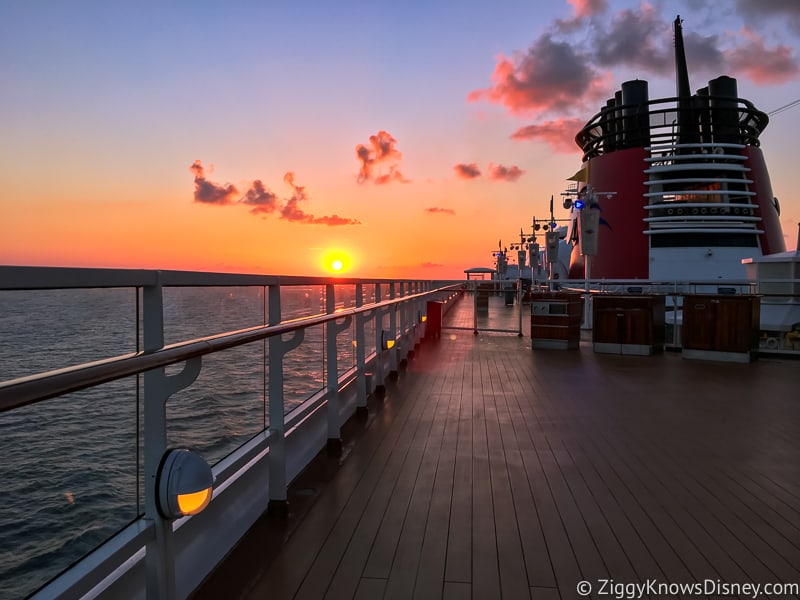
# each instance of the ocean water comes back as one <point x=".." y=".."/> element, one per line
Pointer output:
<point x="71" y="467"/>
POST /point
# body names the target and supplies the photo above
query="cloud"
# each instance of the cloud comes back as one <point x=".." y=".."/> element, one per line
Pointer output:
<point x="208" y="192"/>
<point x="551" y="76"/>
<point x="467" y="171"/>
<point x="760" y="11"/>
<point x="437" y="210"/>
<point x="393" y="175"/>
<point x="566" y="70"/>
<point x="559" y="134"/>
<point x="635" y="38"/>
<point x="643" y="39"/>
<point x="334" y="220"/>
<point x="761" y="64"/>
<point x="493" y="172"/>
<point x="291" y="210"/>
<point x="381" y="151"/>
<point x="430" y="265"/>
<point x="565" y="74"/>
<point x="502" y="173"/>
<point x="587" y="8"/>
<point x="260" y="198"/>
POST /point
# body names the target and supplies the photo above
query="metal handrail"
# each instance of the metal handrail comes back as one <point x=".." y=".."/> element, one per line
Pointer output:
<point x="40" y="278"/>
<point x="35" y="388"/>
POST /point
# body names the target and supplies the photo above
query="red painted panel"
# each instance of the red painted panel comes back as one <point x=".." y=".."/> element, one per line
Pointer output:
<point x="623" y="250"/>
<point x="772" y="239"/>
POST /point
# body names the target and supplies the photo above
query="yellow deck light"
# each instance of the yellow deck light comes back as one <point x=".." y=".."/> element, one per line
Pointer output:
<point x="185" y="484"/>
<point x="387" y="342"/>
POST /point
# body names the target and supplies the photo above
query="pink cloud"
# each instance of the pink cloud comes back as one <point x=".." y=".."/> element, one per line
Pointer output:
<point x="381" y="151"/>
<point x="761" y="64"/>
<point x="208" y="192"/>
<point x="467" y="171"/>
<point x="436" y="210"/>
<point x="550" y="76"/>
<point x="291" y="211"/>
<point x="559" y="134"/>
<point x="566" y="70"/>
<point x="260" y="198"/>
<point x="393" y="175"/>
<point x="588" y="8"/>
<point x="502" y="173"/>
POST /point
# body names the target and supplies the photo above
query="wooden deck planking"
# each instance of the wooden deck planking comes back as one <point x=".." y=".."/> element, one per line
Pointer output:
<point x="724" y="534"/>
<point x="433" y="554"/>
<point x="538" y="567"/>
<point x="458" y="562"/>
<point x="494" y="471"/>
<point x="733" y="535"/>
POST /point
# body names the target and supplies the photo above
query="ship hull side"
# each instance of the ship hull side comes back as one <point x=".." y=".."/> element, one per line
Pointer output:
<point x="623" y="248"/>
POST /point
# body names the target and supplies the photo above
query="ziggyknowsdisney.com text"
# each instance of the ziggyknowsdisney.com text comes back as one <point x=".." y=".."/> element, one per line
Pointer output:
<point x="707" y="587"/>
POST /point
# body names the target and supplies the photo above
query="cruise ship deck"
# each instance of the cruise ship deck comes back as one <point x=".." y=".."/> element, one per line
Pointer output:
<point x="490" y="470"/>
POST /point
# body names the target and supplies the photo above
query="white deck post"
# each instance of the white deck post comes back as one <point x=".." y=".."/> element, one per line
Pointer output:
<point x="378" y="371"/>
<point x="361" y="382"/>
<point x="332" y="331"/>
<point x="393" y="331"/>
<point x="277" y="422"/>
<point x="160" y="553"/>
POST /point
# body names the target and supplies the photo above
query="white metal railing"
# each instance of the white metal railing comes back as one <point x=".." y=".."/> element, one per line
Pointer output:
<point x="156" y="558"/>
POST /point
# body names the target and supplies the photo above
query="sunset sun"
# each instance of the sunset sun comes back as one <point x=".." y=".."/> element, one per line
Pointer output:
<point x="336" y="261"/>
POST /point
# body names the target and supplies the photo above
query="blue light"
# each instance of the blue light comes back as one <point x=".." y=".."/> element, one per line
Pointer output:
<point x="578" y="204"/>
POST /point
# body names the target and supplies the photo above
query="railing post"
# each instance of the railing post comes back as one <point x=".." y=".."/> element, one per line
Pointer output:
<point x="159" y="556"/>
<point x="403" y="327"/>
<point x="393" y="332"/>
<point x="277" y="443"/>
<point x="278" y="347"/>
<point x="332" y="331"/>
<point x="332" y="365"/>
<point x="361" y="377"/>
<point x="475" y="309"/>
<point x="378" y="370"/>
<point x="406" y="330"/>
<point x="420" y="310"/>
<point x="159" y="553"/>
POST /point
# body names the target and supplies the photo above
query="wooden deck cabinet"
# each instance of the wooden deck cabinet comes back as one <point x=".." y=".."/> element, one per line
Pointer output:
<point x="555" y="320"/>
<point x="720" y="327"/>
<point x="628" y="324"/>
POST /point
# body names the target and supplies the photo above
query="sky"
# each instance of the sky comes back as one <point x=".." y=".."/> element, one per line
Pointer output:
<point x="401" y="139"/>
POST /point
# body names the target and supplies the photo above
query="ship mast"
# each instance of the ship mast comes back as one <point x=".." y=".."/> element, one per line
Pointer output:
<point x="682" y="88"/>
<point x="687" y="126"/>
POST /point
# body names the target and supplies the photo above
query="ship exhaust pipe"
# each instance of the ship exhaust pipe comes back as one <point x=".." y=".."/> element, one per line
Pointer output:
<point x="635" y="114"/>
<point x="724" y="104"/>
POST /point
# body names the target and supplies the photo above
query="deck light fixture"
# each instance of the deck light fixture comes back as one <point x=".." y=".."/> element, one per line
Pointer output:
<point x="387" y="342"/>
<point x="184" y="484"/>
